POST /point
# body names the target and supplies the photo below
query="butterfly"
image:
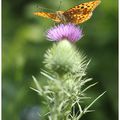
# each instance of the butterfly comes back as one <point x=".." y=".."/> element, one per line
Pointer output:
<point x="76" y="15"/>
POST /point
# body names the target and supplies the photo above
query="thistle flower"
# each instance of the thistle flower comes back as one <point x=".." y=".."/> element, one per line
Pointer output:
<point x="66" y="69"/>
<point x="65" y="31"/>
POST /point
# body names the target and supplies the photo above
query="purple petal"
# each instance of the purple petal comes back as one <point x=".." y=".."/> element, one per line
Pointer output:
<point x="65" y="31"/>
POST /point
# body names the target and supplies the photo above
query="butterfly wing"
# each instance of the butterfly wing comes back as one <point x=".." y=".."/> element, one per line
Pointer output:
<point x="78" y="19"/>
<point x="52" y="16"/>
<point x="81" y="13"/>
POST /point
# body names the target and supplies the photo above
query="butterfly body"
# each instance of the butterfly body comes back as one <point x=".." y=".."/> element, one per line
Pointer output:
<point x="76" y="15"/>
<point x="61" y="17"/>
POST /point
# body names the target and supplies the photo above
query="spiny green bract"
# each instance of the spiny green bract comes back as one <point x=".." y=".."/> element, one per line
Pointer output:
<point x="64" y="58"/>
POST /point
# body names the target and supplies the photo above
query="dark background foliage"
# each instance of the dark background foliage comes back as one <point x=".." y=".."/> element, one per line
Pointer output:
<point x="24" y="44"/>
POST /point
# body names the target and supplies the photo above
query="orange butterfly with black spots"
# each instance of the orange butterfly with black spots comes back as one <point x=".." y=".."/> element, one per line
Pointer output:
<point x="76" y="15"/>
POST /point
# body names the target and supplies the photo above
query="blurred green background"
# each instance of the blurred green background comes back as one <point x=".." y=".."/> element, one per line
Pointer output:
<point x="24" y="44"/>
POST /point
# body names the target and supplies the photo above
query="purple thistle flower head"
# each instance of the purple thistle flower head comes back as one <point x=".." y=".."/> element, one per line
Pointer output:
<point x="65" y="31"/>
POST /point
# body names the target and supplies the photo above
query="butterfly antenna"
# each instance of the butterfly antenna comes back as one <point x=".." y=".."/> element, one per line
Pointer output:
<point x="59" y="6"/>
<point x="44" y="9"/>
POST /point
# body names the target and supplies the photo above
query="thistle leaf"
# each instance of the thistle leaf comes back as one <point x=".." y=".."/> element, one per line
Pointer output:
<point x="93" y="102"/>
<point x="88" y="87"/>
